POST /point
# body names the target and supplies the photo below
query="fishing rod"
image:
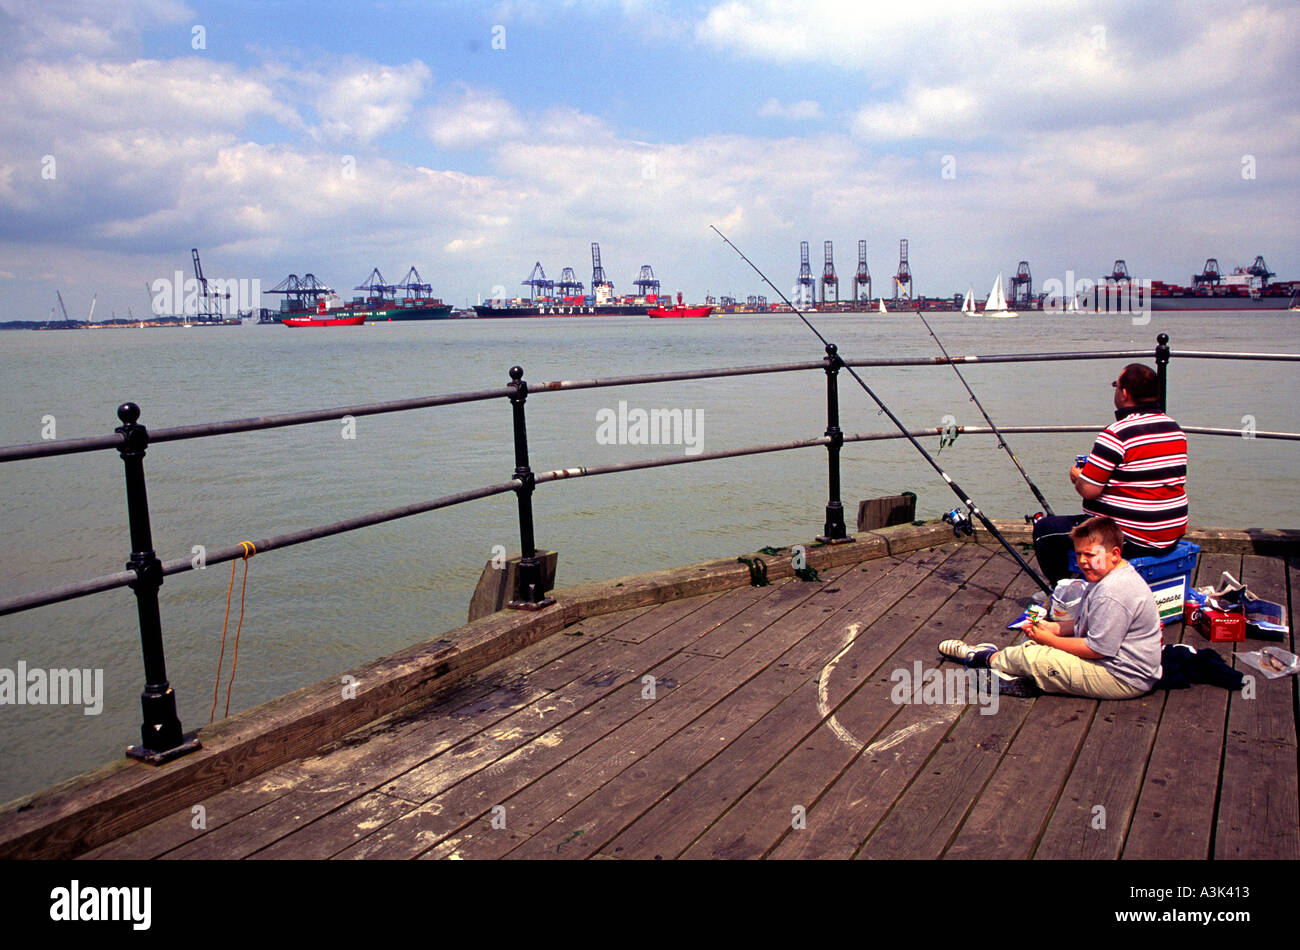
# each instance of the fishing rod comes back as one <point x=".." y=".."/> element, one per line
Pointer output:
<point x="965" y="499"/>
<point x="1001" y="441"/>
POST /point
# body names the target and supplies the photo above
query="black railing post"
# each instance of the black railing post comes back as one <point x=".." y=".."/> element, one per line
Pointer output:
<point x="161" y="738"/>
<point x="1162" y="366"/>
<point x="833" y="531"/>
<point x="529" y="592"/>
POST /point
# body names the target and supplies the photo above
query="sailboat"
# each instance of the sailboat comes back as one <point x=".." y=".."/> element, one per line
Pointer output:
<point x="968" y="305"/>
<point x="996" y="305"/>
<point x="881" y="303"/>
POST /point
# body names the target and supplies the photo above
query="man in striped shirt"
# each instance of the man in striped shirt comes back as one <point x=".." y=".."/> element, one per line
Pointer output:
<point x="1136" y="474"/>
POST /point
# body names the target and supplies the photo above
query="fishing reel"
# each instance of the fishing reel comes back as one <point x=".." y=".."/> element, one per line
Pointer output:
<point x="1030" y="519"/>
<point x="961" y="523"/>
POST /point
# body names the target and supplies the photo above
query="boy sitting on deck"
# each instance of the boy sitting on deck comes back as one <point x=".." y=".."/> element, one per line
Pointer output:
<point x="1110" y="651"/>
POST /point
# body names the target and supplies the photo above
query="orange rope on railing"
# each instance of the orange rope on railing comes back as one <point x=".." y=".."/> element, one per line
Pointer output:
<point x="250" y="549"/>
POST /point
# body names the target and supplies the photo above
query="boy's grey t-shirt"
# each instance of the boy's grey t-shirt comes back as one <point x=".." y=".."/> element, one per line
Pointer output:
<point x="1119" y="620"/>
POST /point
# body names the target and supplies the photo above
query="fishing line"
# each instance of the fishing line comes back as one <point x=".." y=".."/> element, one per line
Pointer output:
<point x="1001" y="441"/>
<point x="974" y="509"/>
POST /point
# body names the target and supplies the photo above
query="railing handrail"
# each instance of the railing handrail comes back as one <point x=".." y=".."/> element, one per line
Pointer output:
<point x="31" y="450"/>
<point x="161" y="731"/>
<point x="233" y="552"/>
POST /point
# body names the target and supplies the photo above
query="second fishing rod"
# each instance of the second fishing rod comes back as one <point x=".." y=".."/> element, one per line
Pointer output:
<point x="957" y="490"/>
<point x="1047" y="509"/>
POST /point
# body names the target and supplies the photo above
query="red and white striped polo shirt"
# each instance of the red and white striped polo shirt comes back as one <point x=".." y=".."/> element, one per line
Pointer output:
<point x="1141" y="463"/>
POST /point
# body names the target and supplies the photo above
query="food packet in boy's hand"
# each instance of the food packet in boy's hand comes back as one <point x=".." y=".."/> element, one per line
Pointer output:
<point x="1032" y="614"/>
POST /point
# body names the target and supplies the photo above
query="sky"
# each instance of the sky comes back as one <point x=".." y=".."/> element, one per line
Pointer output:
<point x="473" y="140"/>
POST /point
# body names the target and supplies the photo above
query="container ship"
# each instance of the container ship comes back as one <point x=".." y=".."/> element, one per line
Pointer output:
<point x="379" y="304"/>
<point x="602" y="303"/>
<point x="1243" y="289"/>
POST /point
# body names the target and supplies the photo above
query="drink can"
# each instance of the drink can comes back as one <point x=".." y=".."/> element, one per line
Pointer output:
<point x="1080" y="460"/>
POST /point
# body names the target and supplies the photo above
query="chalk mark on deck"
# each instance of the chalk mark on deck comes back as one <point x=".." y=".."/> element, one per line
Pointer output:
<point x="823" y="693"/>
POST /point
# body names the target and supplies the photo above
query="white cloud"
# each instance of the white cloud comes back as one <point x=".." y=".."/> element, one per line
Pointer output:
<point x="803" y="109"/>
<point x="472" y="118"/>
<point x="370" y="100"/>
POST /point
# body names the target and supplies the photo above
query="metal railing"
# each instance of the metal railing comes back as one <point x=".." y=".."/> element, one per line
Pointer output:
<point x="161" y="733"/>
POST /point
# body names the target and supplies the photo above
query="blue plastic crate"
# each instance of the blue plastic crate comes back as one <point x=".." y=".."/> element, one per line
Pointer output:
<point x="1169" y="576"/>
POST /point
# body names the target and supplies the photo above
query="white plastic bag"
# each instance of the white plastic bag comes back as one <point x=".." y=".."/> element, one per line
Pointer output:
<point x="1066" y="598"/>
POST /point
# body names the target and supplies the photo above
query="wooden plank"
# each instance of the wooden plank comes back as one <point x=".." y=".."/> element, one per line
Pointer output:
<point x="1271" y="715"/>
<point x="1175" y="813"/>
<point x="182" y="827"/>
<point x="503" y="779"/>
<point x="663" y="615"/>
<point x="611" y="809"/>
<point x="90" y="810"/>
<point x="543" y="717"/>
<point x="466" y="810"/>
<point x="337" y="829"/>
<point x="885" y="512"/>
<point x="390" y="741"/>
<point x="725" y="638"/>
<point x="497" y="586"/>
<point x="842" y="818"/>
<point x="763" y="814"/>
<point x="1012" y="810"/>
<point x="1097" y="803"/>
<point x="1258" y="812"/>
<point x="1258" y="816"/>
<point x="376" y="751"/>
<point x="928" y="814"/>
<point x="626" y="752"/>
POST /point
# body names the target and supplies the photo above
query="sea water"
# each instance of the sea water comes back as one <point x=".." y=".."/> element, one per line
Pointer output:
<point x="314" y="611"/>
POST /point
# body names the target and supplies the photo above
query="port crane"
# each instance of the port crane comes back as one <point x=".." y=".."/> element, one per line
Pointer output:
<point x="568" y="285"/>
<point x="537" y="283"/>
<point x="375" y="286"/>
<point x="1023" y="279"/>
<point x="904" y="275"/>
<point x="647" y="283"/>
<point x="863" y="276"/>
<point x="1260" y="269"/>
<point x="296" y="289"/>
<point x="1208" y="275"/>
<point x="807" y="291"/>
<point x="598" y="278"/>
<point x="828" y="274"/>
<point x="210" y="312"/>
<point x="414" y="285"/>
<point x="67" y="321"/>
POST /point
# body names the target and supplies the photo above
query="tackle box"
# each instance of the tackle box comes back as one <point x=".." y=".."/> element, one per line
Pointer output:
<point x="1168" y="575"/>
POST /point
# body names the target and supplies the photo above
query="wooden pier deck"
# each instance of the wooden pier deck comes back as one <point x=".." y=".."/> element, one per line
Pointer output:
<point x="764" y="722"/>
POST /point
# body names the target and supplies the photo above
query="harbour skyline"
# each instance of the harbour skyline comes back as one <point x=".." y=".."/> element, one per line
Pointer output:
<point x="472" y="140"/>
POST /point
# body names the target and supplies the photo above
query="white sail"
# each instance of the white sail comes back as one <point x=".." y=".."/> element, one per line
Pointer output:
<point x="882" y="305"/>
<point x="997" y="297"/>
<point x="968" y="305"/>
<point x="996" y="305"/>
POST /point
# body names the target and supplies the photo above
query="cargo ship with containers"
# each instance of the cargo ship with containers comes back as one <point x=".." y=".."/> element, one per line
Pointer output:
<point x="1245" y="288"/>
<point x="565" y="297"/>
<point x="601" y="303"/>
<point x="381" y="303"/>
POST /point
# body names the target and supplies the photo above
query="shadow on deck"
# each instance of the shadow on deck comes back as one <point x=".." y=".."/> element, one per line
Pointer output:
<point x="763" y="722"/>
